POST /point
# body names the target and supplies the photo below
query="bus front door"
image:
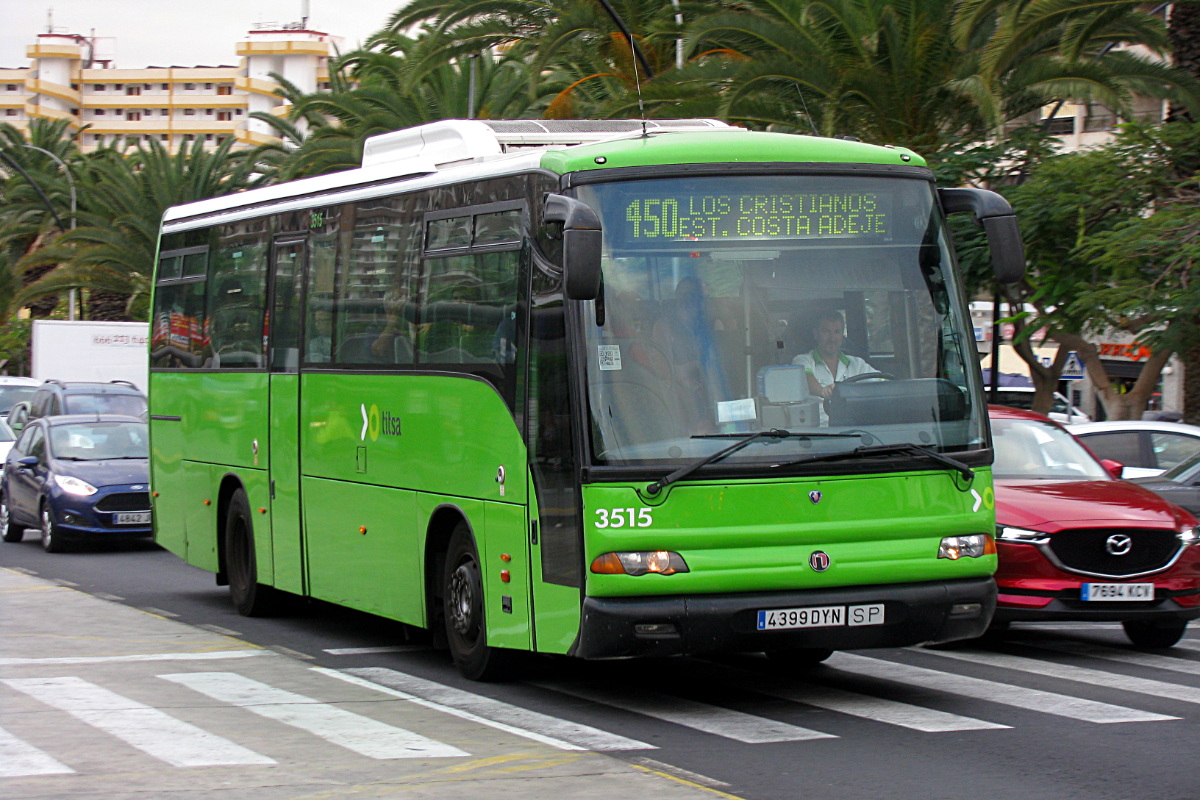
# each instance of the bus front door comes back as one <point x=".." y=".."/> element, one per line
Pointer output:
<point x="288" y="257"/>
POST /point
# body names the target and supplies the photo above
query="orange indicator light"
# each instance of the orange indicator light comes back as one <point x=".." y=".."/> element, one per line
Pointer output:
<point x="505" y="575"/>
<point x="505" y="557"/>
<point x="362" y="529"/>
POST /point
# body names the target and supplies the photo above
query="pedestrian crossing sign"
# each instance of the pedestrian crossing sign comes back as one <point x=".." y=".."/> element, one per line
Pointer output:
<point x="1073" y="371"/>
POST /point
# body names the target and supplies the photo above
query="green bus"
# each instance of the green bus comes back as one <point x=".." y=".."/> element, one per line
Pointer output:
<point x="600" y="389"/>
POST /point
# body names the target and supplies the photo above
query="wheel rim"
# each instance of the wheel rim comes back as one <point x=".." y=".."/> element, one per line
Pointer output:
<point x="47" y="527"/>
<point x="3" y="515"/>
<point x="463" y="599"/>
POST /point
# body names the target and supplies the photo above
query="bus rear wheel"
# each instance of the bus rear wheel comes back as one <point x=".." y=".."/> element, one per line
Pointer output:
<point x="250" y="598"/>
<point x="463" y="603"/>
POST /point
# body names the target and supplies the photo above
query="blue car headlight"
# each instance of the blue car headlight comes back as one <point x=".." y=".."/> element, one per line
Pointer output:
<point x="72" y="485"/>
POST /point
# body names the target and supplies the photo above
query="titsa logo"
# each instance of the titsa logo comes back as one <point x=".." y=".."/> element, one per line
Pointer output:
<point x="375" y="423"/>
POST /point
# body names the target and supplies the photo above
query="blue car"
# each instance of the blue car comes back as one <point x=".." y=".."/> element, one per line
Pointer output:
<point x="77" y="477"/>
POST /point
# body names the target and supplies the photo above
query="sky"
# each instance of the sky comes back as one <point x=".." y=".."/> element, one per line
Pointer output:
<point x="186" y="33"/>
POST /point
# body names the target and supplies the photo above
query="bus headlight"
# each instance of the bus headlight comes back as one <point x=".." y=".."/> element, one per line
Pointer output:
<point x="1009" y="533"/>
<point x="661" y="562"/>
<point x="971" y="546"/>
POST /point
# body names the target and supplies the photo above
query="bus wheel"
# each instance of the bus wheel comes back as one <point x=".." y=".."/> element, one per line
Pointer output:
<point x="466" y="628"/>
<point x="250" y="598"/>
<point x="798" y="659"/>
<point x="1154" y="635"/>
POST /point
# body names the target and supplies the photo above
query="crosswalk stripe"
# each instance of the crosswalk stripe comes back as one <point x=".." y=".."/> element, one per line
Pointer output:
<point x="148" y="729"/>
<point x="19" y="759"/>
<point x="363" y="735"/>
<point x="702" y="717"/>
<point x="877" y="709"/>
<point x="1070" y="672"/>
<point x="1171" y="663"/>
<point x="214" y="655"/>
<point x="560" y="733"/>
<point x="992" y="691"/>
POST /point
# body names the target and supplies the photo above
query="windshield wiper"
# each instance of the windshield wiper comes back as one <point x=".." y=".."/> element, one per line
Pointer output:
<point x="684" y="471"/>
<point x="888" y="450"/>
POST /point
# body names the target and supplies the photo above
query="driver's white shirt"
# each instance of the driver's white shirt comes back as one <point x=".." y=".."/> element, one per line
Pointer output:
<point x="847" y="367"/>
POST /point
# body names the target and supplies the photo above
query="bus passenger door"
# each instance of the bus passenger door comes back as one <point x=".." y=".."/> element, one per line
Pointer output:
<point x="287" y="293"/>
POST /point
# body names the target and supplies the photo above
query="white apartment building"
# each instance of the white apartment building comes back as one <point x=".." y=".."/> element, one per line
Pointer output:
<point x="175" y="105"/>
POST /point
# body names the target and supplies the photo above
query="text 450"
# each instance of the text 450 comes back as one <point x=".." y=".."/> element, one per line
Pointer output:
<point x="624" y="517"/>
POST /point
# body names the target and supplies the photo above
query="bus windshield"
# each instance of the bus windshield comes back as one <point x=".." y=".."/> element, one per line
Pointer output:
<point x="823" y="305"/>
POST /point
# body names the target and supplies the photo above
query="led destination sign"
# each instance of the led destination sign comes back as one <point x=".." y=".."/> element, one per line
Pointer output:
<point x="716" y="217"/>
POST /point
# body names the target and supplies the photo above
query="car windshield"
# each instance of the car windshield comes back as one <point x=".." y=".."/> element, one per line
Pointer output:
<point x="815" y="304"/>
<point x="11" y="395"/>
<point x="97" y="441"/>
<point x="133" y="405"/>
<point x="1031" y="449"/>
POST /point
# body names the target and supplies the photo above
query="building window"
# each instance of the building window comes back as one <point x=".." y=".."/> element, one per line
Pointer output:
<point x="166" y="111"/>
<point x="133" y="91"/>
<point x="239" y="112"/>
<point x="10" y="112"/>
<point x="224" y="116"/>
<point x="118" y="86"/>
<point x="189" y="112"/>
<point x="146" y="86"/>
<point x="208" y="86"/>
<point x="12" y="87"/>
<point x="208" y="137"/>
<point x="189" y="86"/>
<point x="98" y="87"/>
<point x="166" y="87"/>
<point x="133" y="116"/>
<point x="99" y="112"/>
<point x="224" y="89"/>
<point x="118" y="112"/>
<point x="164" y="137"/>
<point x="208" y="112"/>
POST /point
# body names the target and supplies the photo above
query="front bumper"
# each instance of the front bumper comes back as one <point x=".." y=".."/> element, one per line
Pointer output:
<point x="913" y="613"/>
<point x="1035" y="607"/>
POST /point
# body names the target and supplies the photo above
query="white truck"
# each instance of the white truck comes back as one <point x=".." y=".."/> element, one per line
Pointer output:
<point x="91" y="351"/>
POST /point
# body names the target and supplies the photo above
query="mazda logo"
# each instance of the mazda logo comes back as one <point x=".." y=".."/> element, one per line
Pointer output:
<point x="819" y="561"/>
<point x="1118" y="544"/>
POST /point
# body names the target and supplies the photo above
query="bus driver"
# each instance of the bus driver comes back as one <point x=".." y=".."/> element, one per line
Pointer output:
<point x="827" y="364"/>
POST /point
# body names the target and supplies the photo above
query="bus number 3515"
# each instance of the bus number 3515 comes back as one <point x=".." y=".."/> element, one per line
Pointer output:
<point x="615" y="517"/>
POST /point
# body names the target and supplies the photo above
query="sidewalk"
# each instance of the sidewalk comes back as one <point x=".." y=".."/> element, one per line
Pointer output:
<point x="101" y="700"/>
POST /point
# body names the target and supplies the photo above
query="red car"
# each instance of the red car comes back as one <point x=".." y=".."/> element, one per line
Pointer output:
<point x="1077" y="543"/>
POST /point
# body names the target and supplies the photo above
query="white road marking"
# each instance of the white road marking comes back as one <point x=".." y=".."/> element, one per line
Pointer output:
<point x="213" y="656"/>
<point x="363" y="651"/>
<point x="559" y="733"/>
<point x="1069" y="672"/>
<point x="716" y="720"/>
<point x="1171" y="663"/>
<point x="991" y="691"/>
<point x="148" y="729"/>
<point x="19" y="759"/>
<point x="878" y="709"/>
<point x="217" y="629"/>
<point x="363" y="735"/>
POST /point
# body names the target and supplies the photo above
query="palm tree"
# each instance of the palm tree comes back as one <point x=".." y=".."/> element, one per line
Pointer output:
<point x="397" y="83"/>
<point x="925" y="73"/>
<point x="123" y="197"/>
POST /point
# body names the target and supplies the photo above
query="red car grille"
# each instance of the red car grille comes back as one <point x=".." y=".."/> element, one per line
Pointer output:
<point x="1103" y="551"/>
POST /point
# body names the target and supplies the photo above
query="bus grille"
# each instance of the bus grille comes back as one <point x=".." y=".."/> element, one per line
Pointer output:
<point x="127" y="501"/>
<point x="1086" y="550"/>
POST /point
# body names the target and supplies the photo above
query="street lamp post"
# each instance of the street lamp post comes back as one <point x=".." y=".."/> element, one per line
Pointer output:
<point x="71" y="305"/>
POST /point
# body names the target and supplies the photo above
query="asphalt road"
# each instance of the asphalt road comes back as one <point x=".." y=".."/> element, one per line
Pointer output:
<point x="1063" y="711"/>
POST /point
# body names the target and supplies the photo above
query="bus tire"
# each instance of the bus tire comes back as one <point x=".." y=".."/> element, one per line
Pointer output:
<point x="463" y="602"/>
<point x="798" y="659"/>
<point x="250" y="598"/>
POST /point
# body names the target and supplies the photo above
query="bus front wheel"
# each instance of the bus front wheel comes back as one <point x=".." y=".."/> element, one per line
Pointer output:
<point x="250" y="598"/>
<point x="466" y="626"/>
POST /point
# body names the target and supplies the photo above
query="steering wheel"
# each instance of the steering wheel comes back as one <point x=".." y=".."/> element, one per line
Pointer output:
<point x="866" y="376"/>
<point x="870" y="376"/>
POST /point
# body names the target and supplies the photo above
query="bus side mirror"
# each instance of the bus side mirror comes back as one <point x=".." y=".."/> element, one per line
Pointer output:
<point x="583" y="240"/>
<point x="996" y="216"/>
